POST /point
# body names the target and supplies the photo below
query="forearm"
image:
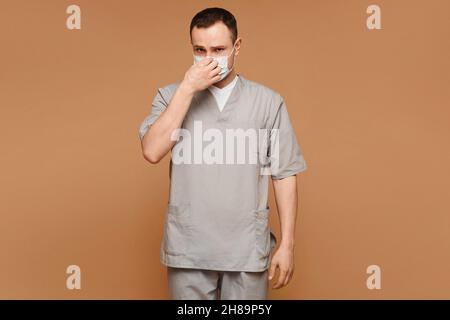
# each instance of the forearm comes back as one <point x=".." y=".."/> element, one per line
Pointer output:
<point x="157" y="141"/>
<point x="286" y="200"/>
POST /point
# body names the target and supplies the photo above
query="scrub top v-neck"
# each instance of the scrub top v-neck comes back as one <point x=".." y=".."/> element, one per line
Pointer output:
<point x="217" y="216"/>
<point x="222" y="94"/>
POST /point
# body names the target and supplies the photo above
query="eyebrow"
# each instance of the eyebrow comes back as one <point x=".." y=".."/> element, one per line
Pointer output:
<point x="202" y="47"/>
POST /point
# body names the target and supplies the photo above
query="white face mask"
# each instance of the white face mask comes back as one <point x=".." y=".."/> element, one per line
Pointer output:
<point x="222" y="62"/>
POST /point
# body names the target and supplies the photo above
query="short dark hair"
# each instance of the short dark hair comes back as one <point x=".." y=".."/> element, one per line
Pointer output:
<point x="210" y="16"/>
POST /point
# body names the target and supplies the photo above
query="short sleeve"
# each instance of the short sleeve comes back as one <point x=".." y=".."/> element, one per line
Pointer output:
<point x="159" y="104"/>
<point x="285" y="153"/>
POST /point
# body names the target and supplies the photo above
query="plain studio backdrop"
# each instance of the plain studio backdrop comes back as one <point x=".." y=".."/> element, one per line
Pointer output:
<point x="370" y="110"/>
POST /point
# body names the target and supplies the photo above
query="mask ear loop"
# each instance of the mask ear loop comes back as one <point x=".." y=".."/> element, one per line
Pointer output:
<point x="233" y="60"/>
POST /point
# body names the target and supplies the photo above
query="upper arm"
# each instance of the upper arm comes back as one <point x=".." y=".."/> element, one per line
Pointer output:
<point x="159" y="104"/>
<point x="285" y="153"/>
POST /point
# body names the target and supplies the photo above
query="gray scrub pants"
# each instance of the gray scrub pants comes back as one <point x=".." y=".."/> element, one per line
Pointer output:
<point x="199" y="284"/>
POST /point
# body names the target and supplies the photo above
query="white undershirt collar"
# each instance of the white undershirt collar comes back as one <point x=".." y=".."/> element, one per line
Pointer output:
<point x="222" y="94"/>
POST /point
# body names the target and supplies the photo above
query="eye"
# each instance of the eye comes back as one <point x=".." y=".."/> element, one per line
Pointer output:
<point x="199" y="50"/>
<point x="219" y="49"/>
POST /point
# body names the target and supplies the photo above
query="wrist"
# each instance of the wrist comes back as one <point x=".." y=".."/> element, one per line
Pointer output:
<point x="287" y="244"/>
<point x="186" y="88"/>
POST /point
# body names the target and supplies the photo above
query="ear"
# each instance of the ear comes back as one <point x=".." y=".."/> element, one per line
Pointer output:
<point x="237" y="46"/>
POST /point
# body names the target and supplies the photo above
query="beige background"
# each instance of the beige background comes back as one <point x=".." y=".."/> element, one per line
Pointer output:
<point x="370" y="110"/>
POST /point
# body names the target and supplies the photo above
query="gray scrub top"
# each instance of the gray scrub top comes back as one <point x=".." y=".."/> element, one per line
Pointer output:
<point x="217" y="216"/>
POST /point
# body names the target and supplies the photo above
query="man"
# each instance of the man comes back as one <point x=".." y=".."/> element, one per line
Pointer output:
<point x="217" y="241"/>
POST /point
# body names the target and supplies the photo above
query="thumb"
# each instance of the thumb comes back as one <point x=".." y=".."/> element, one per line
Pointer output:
<point x="272" y="270"/>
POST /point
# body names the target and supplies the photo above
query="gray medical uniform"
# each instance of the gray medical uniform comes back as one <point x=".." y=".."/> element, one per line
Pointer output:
<point x="217" y="216"/>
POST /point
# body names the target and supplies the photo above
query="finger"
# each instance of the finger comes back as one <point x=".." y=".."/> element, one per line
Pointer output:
<point x="215" y="79"/>
<point x="205" y="61"/>
<point x="272" y="269"/>
<point x="288" y="278"/>
<point x="212" y="64"/>
<point x="281" y="279"/>
<point x="215" y="71"/>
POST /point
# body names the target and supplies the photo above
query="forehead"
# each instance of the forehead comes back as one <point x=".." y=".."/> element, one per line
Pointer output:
<point x="217" y="34"/>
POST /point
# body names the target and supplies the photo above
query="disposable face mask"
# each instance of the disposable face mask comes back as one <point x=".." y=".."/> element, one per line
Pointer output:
<point x="222" y="62"/>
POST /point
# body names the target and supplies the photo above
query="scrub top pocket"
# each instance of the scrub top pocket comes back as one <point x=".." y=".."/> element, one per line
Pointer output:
<point x="262" y="232"/>
<point x="177" y="229"/>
